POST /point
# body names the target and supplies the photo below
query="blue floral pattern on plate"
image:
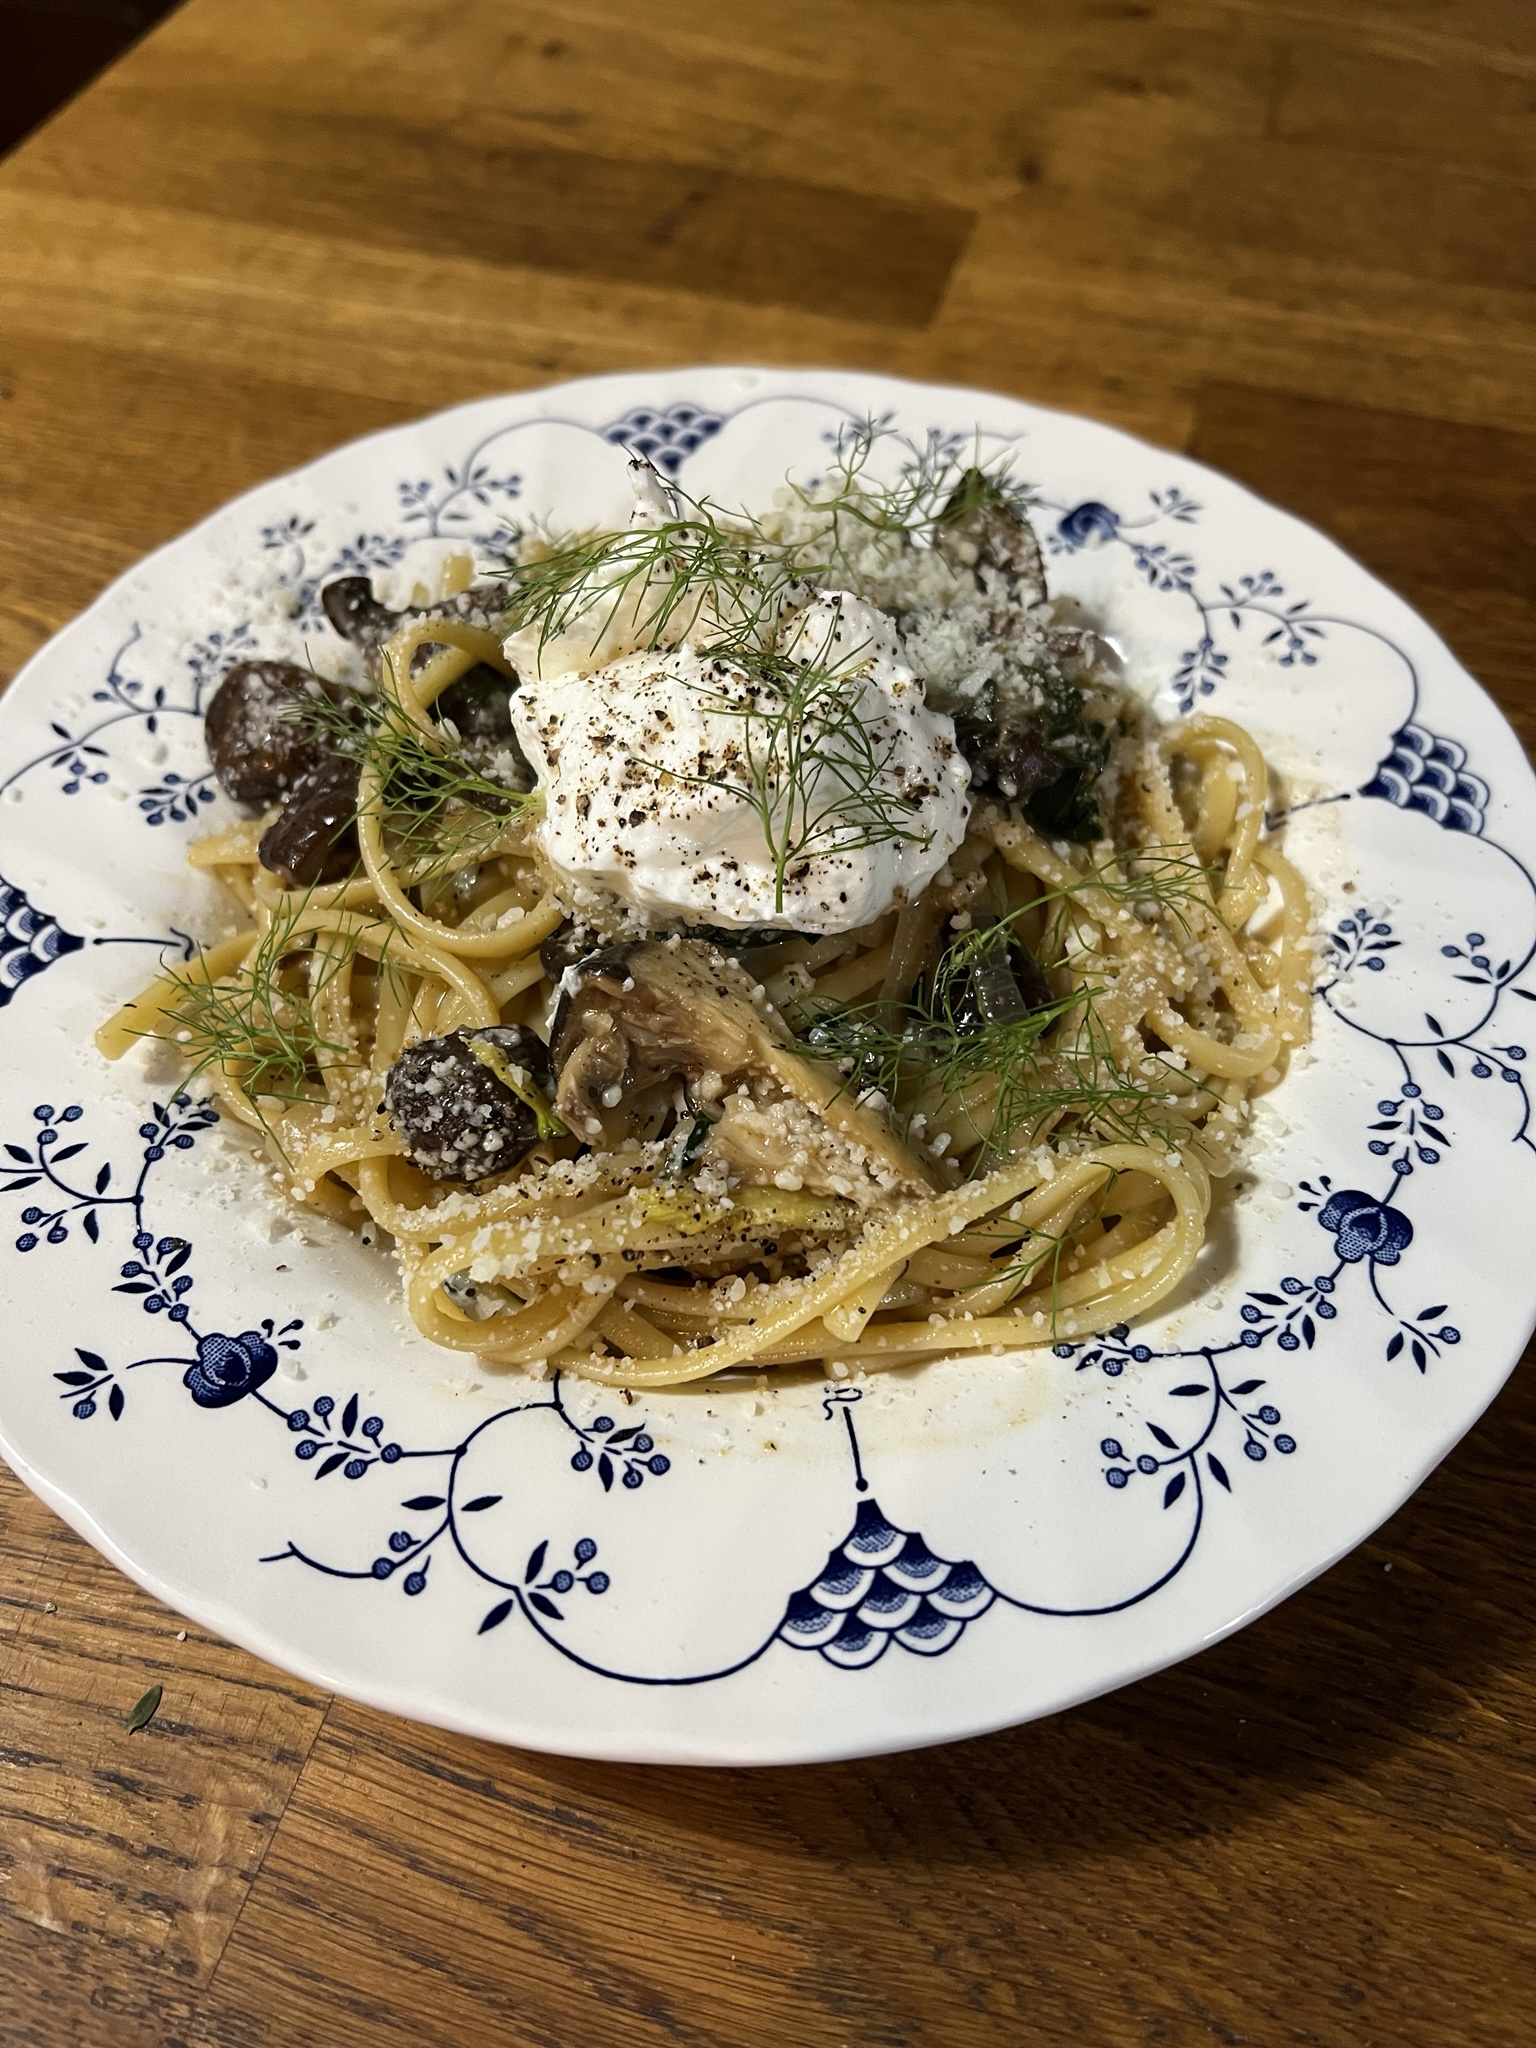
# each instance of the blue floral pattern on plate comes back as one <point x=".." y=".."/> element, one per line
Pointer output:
<point x="1223" y="1415"/>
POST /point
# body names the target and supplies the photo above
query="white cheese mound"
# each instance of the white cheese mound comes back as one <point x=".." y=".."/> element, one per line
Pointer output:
<point x="631" y="758"/>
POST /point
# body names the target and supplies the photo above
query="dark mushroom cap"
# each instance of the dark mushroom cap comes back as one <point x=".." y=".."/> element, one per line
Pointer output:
<point x="478" y="706"/>
<point x="358" y="616"/>
<point x="356" y="613"/>
<point x="458" y="1118"/>
<point x="257" y="745"/>
<point x="479" y="709"/>
<point x="314" y="838"/>
<point x="1013" y="760"/>
<point x="564" y="948"/>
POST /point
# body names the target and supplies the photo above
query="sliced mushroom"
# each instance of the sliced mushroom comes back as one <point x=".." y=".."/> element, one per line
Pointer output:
<point x="314" y="838"/>
<point x="630" y="1016"/>
<point x="1012" y="759"/>
<point x="357" y="615"/>
<point x="1001" y="982"/>
<point x="634" y="1016"/>
<point x="978" y="528"/>
<point x="258" y="741"/>
<point x="767" y="947"/>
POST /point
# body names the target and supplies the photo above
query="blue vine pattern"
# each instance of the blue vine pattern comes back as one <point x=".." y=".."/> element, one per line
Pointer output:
<point x="1360" y="944"/>
<point x="882" y="1585"/>
<point x="175" y="800"/>
<point x="81" y="761"/>
<point x="357" y="557"/>
<point x="1292" y="624"/>
<point x="626" y="1454"/>
<point x="453" y="506"/>
<point x="1420" y="770"/>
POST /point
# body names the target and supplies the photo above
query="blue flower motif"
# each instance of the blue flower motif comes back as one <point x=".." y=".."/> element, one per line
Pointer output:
<point x="1086" y="522"/>
<point x="1365" y="1228"/>
<point x="229" y="1368"/>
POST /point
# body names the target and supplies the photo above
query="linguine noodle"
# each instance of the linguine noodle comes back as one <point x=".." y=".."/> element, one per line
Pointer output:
<point x="877" y="1183"/>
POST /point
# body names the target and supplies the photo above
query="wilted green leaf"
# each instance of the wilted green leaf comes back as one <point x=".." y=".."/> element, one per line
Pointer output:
<point x="145" y="1710"/>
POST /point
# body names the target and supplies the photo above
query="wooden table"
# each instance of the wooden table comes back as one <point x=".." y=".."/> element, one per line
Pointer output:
<point x="1294" y="236"/>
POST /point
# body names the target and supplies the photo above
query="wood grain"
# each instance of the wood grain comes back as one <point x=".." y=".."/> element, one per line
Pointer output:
<point x="1291" y="235"/>
<point x="761" y="240"/>
<point x="144" y="1842"/>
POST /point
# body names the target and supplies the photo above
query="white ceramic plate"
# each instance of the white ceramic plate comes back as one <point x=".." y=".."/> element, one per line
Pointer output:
<point x="793" y="1571"/>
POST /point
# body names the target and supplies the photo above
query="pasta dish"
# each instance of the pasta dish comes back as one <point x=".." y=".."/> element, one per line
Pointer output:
<point x="744" y="939"/>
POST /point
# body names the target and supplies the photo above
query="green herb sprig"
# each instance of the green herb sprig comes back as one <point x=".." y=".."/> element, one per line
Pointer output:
<point x="1051" y="1069"/>
<point x="439" y="811"/>
<point x="699" y="570"/>
<point x="260" y="1023"/>
<point x="811" y="768"/>
<point x="935" y="486"/>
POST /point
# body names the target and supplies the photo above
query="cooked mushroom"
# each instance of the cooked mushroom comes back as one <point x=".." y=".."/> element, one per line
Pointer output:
<point x="978" y="527"/>
<point x="1000" y="983"/>
<point x="630" y="1016"/>
<point x="1029" y="734"/>
<point x="564" y="947"/>
<point x="633" y="1016"/>
<point x="469" y="1105"/>
<point x="479" y="709"/>
<point x="358" y="616"/>
<point x="1014" y="760"/>
<point x="314" y="838"/>
<point x="479" y="705"/>
<point x="356" y="613"/>
<point x="257" y="743"/>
